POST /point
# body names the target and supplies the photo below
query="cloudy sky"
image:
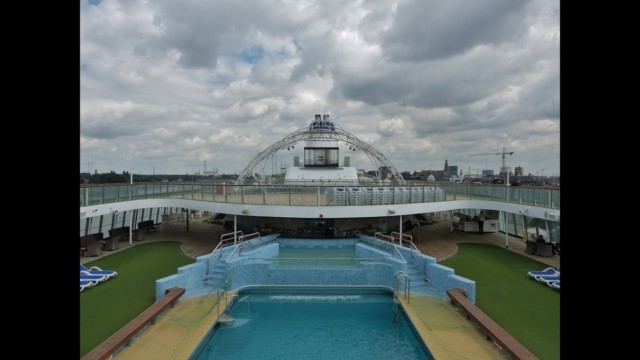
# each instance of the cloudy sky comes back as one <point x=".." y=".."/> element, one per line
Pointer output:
<point x="167" y="85"/>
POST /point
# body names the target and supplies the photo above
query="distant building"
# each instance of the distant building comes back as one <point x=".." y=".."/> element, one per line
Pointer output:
<point x="487" y="172"/>
<point x="437" y="175"/>
<point x="453" y="169"/>
<point x="519" y="171"/>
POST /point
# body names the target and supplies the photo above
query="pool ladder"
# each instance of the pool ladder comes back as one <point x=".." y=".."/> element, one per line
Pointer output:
<point x="407" y="292"/>
<point x="227" y="320"/>
<point x="248" y="300"/>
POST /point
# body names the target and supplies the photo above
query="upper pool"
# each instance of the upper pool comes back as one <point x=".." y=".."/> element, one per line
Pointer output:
<point x="316" y="255"/>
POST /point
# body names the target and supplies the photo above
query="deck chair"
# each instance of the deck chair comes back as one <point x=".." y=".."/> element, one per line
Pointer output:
<point x="94" y="270"/>
<point x="548" y="278"/>
<point x="86" y="284"/>
<point x="84" y="275"/>
<point x="546" y="272"/>
<point x="554" y="284"/>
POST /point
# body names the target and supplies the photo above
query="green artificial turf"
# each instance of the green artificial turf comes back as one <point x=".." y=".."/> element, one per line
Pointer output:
<point x="527" y="309"/>
<point x="108" y="306"/>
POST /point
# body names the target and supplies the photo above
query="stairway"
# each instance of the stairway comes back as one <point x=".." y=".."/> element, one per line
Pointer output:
<point x="418" y="283"/>
<point x="416" y="277"/>
<point x="217" y="275"/>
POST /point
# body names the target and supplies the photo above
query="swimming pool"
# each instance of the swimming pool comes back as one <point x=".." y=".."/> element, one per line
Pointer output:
<point x="318" y="255"/>
<point x="313" y="323"/>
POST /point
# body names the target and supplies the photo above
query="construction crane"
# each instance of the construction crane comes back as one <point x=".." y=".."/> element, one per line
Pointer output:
<point x="503" y="169"/>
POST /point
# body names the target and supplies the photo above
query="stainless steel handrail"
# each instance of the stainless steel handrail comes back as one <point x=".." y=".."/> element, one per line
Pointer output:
<point x="407" y="284"/>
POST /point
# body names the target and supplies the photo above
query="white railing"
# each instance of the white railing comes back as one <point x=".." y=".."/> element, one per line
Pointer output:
<point x="319" y="195"/>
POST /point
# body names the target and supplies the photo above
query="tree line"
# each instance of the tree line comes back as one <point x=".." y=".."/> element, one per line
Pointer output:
<point x="116" y="178"/>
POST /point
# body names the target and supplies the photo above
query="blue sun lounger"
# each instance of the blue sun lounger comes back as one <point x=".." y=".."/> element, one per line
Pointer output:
<point x="86" y="284"/>
<point x="546" y="272"/>
<point x="94" y="270"/>
<point x="84" y="275"/>
<point x="554" y="284"/>
<point x="548" y="278"/>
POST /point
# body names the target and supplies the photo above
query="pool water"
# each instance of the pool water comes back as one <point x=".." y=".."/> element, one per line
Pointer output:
<point x="313" y="326"/>
<point x="316" y="255"/>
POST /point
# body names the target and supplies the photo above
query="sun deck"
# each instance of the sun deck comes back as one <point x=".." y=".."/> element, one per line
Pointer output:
<point x="435" y="319"/>
<point x="434" y="240"/>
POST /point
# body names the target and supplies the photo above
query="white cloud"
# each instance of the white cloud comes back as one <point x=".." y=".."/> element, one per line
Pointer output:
<point x="171" y="84"/>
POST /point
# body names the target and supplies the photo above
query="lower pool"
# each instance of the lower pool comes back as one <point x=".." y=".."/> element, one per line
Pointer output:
<point x="313" y="323"/>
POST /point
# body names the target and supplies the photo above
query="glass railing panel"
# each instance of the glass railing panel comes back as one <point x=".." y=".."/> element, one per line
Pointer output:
<point x="321" y="195"/>
<point x="276" y="195"/>
<point x="95" y="195"/>
<point x="555" y="199"/>
<point x="197" y="191"/>
<point x="252" y="194"/>
<point x="303" y="195"/>
<point x="541" y="197"/>
<point x="187" y="192"/>
<point x="109" y="194"/>
<point x="297" y="196"/>
<point x="493" y="193"/>
<point x="526" y="196"/>
<point x="151" y="192"/>
<point x="220" y="194"/>
<point x="138" y="192"/>
<point x="269" y="199"/>
<point x="514" y="194"/>
<point x="233" y="194"/>
<point x="123" y="192"/>
<point x="207" y="192"/>
<point x="174" y="191"/>
<point x="154" y="191"/>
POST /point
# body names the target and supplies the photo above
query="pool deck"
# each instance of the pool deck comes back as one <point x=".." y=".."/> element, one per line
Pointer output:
<point x="435" y="240"/>
<point x="446" y="330"/>
<point x="438" y="241"/>
<point x="177" y="333"/>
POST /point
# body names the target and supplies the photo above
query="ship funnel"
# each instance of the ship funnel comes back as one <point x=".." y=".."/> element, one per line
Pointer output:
<point x="318" y="117"/>
<point x="325" y="117"/>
